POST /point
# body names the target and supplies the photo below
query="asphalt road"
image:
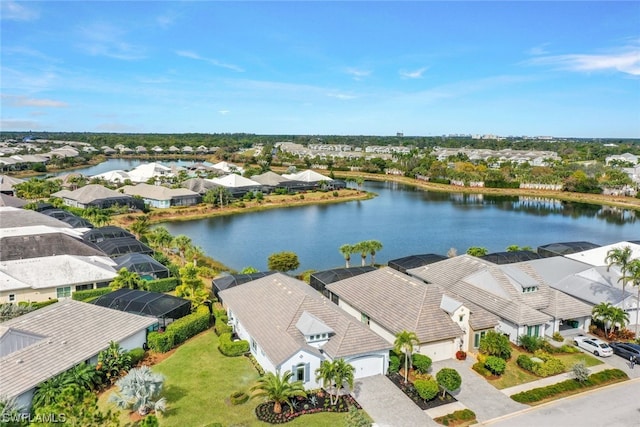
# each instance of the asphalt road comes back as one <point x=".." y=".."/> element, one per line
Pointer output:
<point x="614" y="406"/>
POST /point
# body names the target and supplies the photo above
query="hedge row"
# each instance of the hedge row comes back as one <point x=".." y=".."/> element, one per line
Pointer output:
<point x="90" y="294"/>
<point x="37" y="305"/>
<point x="542" y="393"/>
<point x="221" y="326"/>
<point x="162" y="285"/>
<point x="502" y="184"/>
<point x="179" y="331"/>
<point x="232" y="348"/>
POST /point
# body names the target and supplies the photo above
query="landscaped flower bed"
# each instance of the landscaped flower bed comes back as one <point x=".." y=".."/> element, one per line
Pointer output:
<point x="411" y="392"/>
<point x="311" y="404"/>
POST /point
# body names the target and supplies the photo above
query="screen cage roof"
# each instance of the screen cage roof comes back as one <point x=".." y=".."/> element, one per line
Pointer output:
<point x="142" y="264"/>
<point x="229" y="281"/>
<point x="510" y="257"/>
<point x="145" y="303"/>
<point x="564" y="248"/>
<point x="122" y="246"/>
<point x="103" y="233"/>
<point x="414" y="261"/>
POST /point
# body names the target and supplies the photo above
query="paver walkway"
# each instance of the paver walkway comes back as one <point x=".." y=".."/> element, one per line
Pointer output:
<point x="388" y="405"/>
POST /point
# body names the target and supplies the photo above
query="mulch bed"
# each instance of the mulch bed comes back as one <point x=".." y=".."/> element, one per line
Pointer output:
<point x="412" y="394"/>
<point x="311" y="404"/>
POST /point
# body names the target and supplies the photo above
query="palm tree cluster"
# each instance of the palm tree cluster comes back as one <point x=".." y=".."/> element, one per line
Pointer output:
<point x="364" y="248"/>
<point x="630" y="273"/>
<point x="279" y="389"/>
<point x="610" y="315"/>
<point x="333" y="375"/>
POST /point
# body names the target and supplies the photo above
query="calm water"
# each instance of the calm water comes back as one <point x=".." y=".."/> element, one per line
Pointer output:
<point x="406" y="220"/>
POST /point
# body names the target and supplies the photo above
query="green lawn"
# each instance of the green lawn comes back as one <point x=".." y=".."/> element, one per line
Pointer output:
<point x="515" y="375"/>
<point x="199" y="381"/>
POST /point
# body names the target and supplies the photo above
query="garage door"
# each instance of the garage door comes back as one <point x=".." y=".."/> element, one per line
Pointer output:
<point x="367" y="366"/>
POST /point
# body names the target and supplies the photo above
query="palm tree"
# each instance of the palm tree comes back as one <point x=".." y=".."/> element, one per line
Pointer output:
<point x="160" y="238"/>
<point x="343" y="373"/>
<point x="618" y="317"/>
<point x="405" y="343"/>
<point x="633" y="276"/>
<point x="141" y="226"/>
<point x="279" y="389"/>
<point x="182" y="243"/>
<point x="193" y="252"/>
<point x="620" y="257"/>
<point x="346" y="250"/>
<point x="374" y="246"/>
<point x="127" y="279"/>
<point x="363" y="249"/>
<point x="603" y="312"/>
<point x="326" y="373"/>
<point x="84" y="375"/>
<point x="140" y="391"/>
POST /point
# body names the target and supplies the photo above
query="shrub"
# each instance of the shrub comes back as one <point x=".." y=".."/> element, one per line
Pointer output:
<point x="530" y="343"/>
<point x="480" y="368"/>
<point x="136" y="354"/>
<point x="549" y="366"/>
<point x="580" y="372"/>
<point x="421" y="363"/>
<point x="160" y="341"/>
<point x="37" y="305"/>
<point x="238" y="397"/>
<point x="231" y="348"/>
<point x="449" y="379"/>
<point x="495" y="344"/>
<point x="89" y="294"/>
<point x="525" y="362"/>
<point x="162" y="285"/>
<point x="180" y="330"/>
<point x="427" y="389"/>
<point x="496" y="365"/>
<point x="394" y="363"/>
<point x="335" y="194"/>
<point x="221" y="326"/>
<point x="557" y="336"/>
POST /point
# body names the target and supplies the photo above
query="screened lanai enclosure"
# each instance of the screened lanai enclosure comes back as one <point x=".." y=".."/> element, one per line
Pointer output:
<point x="166" y="308"/>
<point x="123" y="245"/>
<point x="414" y="261"/>
<point x="103" y="233"/>
<point x="143" y="264"/>
<point x="565" y="248"/>
<point x="232" y="280"/>
<point x="510" y="257"/>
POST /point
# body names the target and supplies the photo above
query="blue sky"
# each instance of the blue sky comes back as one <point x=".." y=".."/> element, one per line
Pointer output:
<point x="344" y="68"/>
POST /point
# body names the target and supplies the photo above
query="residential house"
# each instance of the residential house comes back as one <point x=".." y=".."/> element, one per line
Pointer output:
<point x="291" y="327"/>
<point x="389" y="302"/>
<point x="7" y="184"/>
<point x="41" y="344"/>
<point x="147" y="171"/>
<point x="524" y="302"/>
<point x="95" y="195"/>
<point x="158" y="196"/>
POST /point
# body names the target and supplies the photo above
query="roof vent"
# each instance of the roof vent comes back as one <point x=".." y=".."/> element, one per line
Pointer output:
<point x="19" y="361"/>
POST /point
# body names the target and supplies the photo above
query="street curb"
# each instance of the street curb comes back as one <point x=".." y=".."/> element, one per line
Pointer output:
<point x="532" y="408"/>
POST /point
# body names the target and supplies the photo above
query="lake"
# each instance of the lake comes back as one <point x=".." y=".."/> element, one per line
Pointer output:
<point x="405" y="219"/>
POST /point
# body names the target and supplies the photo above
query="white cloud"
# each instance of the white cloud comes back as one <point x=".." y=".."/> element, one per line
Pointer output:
<point x="14" y="11"/>
<point x="341" y="96"/>
<point x="193" y="55"/>
<point x="625" y="60"/>
<point x="223" y="112"/>
<point x="358" y="74"/>
<point x="417" y="74"/>
<point x="23" y="101"/>
<point x="102" y="39"/>
<point x="538" y="50"/>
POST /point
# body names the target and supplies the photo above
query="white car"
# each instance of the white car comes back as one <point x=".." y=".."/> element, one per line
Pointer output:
<point x="593" y="345"/>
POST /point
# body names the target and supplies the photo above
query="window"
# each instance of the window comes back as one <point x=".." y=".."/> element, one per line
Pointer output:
<point x="529" y="289"/>
<point x="300" y="372"/>
<point x="64" y="292"/>
<point x="533" y="331"/>
<point x="461" y="318"/>
<point x="12" y="297"/>
<point x="254" y="345"/>
<point x="477" y="337"/>
<point x="102" y="285"/>
<point x="83" y="287"/>
<point x="364" y="318"/>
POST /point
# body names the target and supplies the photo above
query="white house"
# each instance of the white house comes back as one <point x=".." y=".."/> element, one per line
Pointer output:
<point x="290" y="326"/>
<point x="46" y="342"/>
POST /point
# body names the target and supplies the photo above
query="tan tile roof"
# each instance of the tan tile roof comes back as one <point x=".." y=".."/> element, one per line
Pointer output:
<point x="90" y="193"/>
<point x="270" y="307"/>
<point x="74" y="332"/>
<point x="157" y="192"/>
<point x="398" y="302"/>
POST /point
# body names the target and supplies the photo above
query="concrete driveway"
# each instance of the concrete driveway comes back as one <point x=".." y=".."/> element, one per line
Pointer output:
<point x="388" y="405"/>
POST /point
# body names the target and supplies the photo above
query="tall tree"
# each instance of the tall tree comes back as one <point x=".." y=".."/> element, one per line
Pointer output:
<point x="160" y="238"/>
<point x="141" y="226"/>
<point x="603" y="312"/>
<point x="633" y="275"/>
<point x="405" y="343"/>
<point x="363" y="249"/>
<point x="449" y="379"/>
<point x="346" y="250"/>
<point x="326" y="373"/>
<point x="182" y="243"/>
<point x="344" y="374"/>
<point x="283" y="261"/>
<point x="127" y="279"/>
<point x="279" y="389"/>
<point x="618" y="317"/>
<point x="374" y="246"/>
<point x="620" y="257"/>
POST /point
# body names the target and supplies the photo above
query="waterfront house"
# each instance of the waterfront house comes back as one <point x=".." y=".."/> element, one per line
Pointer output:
<point x="290" y="326"/>
<point x="158" y="196"/>
<point x="95" y="195"/>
